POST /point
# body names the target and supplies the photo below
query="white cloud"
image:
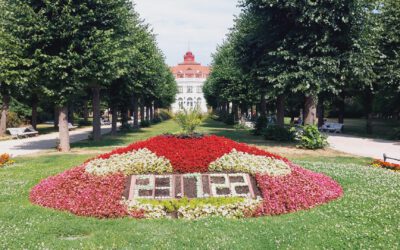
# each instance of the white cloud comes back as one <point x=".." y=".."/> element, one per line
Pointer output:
<point x="203" y="23"/>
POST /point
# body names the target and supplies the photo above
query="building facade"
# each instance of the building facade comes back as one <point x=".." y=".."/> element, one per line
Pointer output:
<point x="190" y="77"/>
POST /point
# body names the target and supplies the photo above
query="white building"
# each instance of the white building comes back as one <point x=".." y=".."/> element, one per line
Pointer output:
<point x="190" y="77"/>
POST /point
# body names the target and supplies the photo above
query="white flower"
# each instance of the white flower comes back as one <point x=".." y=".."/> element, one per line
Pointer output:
<point x="141" y="161"/>
<point x="243" y="162"/>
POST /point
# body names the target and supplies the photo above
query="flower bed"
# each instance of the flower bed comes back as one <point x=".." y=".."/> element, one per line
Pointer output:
<point x="387" y="165"/>
<point x="98" y="186"/>
<point x="5" y="159"/>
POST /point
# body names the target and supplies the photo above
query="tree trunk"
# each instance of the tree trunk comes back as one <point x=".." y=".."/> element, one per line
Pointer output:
<point x="148" y="113"/>
<point x="4" y="111"/>
<point x="369" y="98"/>
<point x="34" y="114"/>
<point x="114" y="119"/>
<point x="124" y="116"/>
<point x="96" y="113"/>
<point x="263" y="104"/>
<point x="151" y="112"/>
<point x="280" y="111"/>
<point x="310" y="111"/>
<point x="320" y="111"/>
<point x="85" y="112"/>
<point x="135" y="112"/>
<point x="63" y="130"/>
<point x="235" y="111"/>
<point x="142" y="116"/>
<point x="341" y="107"/>
<point x="56" y="116"/>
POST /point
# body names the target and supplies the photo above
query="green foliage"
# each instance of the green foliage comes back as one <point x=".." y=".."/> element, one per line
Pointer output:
<point x="13" y="120"/>
<point x="277" y="133"/>
<point x="261" y="124"/>
<point x="165" y="114"/>
<point x="145" y="124"/>
<point x="189" y="120"/>
<point x="396" y="134"/>
<point x="311" y="138"/>
<point x="173" y="205"/>
<point x="229" y="119"/>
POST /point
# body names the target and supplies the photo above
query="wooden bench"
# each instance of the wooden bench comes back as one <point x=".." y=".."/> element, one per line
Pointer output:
<point x="18" y="133"/>
<point x="332" y="127"/>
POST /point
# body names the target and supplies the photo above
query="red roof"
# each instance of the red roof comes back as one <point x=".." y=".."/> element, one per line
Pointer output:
<point x="190" y="68"/>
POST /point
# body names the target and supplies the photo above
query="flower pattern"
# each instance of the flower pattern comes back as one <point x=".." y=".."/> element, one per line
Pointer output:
<point x="96" y="188"/>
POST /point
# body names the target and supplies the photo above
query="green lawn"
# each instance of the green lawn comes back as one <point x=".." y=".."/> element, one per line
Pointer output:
<point x="368" y="216"/>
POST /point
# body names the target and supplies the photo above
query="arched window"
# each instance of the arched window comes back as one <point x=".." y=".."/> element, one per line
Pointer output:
<point x="189" y="102"/>
<point x="180" y="103"/>
<point x="198" y="103"/>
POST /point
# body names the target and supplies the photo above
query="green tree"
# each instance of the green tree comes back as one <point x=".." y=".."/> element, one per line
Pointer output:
<point x="14" y="67"/>
<point x="295" y="46"/>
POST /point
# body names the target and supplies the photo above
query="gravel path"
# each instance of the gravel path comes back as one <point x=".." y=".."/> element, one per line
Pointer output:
<point x="374" y="148"/>
<point x="40" y="143"/>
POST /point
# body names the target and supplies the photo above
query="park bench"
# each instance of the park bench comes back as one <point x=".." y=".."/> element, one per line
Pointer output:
<point x="332" y="127"/>
<point x="385" y="158"/>
<point x="105" y="122"/>
<point x="71" y="127"/>
<point x="18" y="133"/>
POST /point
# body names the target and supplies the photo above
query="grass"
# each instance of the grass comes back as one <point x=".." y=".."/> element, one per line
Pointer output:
<point x="366" y="217"/>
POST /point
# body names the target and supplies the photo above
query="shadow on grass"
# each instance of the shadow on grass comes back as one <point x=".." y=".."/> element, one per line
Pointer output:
<point x="108" y="140"/>
<point x="220" y="129"/>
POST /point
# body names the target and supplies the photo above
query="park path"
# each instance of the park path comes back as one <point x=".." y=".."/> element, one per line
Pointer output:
<point x="367" y="147"/>
<point x="40" y="143"/>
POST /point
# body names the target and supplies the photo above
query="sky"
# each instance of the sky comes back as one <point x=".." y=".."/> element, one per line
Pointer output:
<point x="177" y="23"/>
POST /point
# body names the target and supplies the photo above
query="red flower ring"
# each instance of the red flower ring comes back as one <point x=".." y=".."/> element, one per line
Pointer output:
<point x="87" y="195"/>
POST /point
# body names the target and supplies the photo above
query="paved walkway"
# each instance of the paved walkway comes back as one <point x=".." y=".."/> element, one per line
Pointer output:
<point x="40" y="143"/>
<point x="374" y="148"/>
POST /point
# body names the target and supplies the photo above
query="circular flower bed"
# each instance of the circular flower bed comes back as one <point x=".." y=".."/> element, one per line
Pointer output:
<point x="98" y="187"/>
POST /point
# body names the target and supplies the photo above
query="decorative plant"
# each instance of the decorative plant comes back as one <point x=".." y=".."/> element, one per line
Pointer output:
<point x="276" y="133"/>
<point x="311" y="138"/>
<point x="5" y="159"/>
<point x="189" y="120"/>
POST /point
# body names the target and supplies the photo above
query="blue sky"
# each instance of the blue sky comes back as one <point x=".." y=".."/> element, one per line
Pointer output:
<point x="203" y="23"/>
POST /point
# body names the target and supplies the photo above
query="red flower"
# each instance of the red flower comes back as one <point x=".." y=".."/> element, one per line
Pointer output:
<point x="302" y="189"/>
<point x="82" y="194"/>
<point x="191" y="155"/>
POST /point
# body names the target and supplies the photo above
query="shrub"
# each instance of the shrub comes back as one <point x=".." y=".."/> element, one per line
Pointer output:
<point x="311" y="138"/>
<point x="13" y="120"/>
<point x="157" y="119"/>
<point x="125" y="127"/>
<point x="229" y="119"/>
<point x="189" y="120"/>
<point x="260" y="125"/>
<point x="145" y="124"/>
<point x="277" y="133"/>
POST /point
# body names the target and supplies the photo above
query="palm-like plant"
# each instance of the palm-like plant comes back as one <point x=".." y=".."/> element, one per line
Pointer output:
<point x="189" y="120"/>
